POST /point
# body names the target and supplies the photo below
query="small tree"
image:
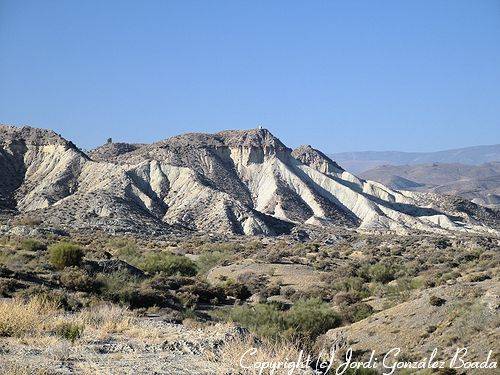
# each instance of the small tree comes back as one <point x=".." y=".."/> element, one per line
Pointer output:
<point x="110" y="140"/>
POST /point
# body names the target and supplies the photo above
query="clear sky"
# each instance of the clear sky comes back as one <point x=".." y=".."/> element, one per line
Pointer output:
<point x="340" y="75"/>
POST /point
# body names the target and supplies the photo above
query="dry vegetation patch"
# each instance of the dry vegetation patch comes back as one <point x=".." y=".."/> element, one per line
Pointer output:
<point x="20" y="318"/>
<point x="40" y="317"/>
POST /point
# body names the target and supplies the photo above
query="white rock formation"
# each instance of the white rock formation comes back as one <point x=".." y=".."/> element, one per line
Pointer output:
<point x="243" y="182"/>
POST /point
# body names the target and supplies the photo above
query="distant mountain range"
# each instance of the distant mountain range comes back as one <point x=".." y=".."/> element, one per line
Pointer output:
<point x="478" y="183"/>
<point x="357" y="162"/>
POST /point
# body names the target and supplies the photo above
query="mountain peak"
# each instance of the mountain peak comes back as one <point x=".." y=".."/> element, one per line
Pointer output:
<point x="30" y="135"/>
<point x="316" y="159"/>
<point x="258" y="138"/>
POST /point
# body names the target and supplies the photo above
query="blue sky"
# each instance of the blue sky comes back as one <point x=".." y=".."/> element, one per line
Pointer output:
<point x="340" y="75"/>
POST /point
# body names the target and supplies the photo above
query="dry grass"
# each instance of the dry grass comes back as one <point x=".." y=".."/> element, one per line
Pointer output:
<point x="19" y="318"/>
<point x="38" y="320"/>
<point x="106" y="319"/>
<point x="37" y="323"/>
<point x="246" y="352"/>
<point x="40" y="342"/>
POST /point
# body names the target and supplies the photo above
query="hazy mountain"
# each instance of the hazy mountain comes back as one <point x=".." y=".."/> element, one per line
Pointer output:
<point x="241" y="182"/>
<point x="364" y="160"/>
<point x="481" y="183"/>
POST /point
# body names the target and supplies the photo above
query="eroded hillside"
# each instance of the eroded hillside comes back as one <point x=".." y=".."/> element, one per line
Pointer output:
<point x="239" y="182"/>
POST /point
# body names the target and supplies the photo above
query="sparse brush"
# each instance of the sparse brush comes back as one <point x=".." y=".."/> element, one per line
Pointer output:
<point x="125" y="249"/>
<point x="7" y="286"/>
<point x="120" y="287"/>
<point x="355" y="312"/>
<point x="57" y="297"/>
<point x="32" y="245"/>
<point x="77" y="279"/>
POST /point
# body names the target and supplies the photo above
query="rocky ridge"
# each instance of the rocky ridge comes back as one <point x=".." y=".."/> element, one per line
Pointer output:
<point x="238" y="182"/>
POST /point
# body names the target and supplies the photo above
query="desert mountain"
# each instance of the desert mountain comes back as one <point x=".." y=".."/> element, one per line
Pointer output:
<point x="481" y="183"/>
<point x="239" y="182"/>
<point x="364" y="160"/>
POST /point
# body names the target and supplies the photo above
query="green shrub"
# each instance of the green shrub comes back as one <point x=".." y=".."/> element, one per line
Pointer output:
<point x="381" y="273"/>
<point x="69" y="331"/>
<point x="162" y="262"/>
<point x="209" y="259"/>
<point x="168" y="264"/>
<point x="305" y="321"/>
<point x="123" y="288"/>
<point x="354" y="285"/>
<point x="355" y="312"/>
<point x="125" y="249"/>
<point x="453" y="275"/>
<point x="65" y="254"/>
<point x="265" y="320"/>
<point x="401" y="289"/>
<point x="117" y="286"/>
<point x="224" y="247"/>
<point x="236" y="290"/>
<point x="310" y="318"/>
<point x="32" y="245"/>
<point x="436" y="301"/>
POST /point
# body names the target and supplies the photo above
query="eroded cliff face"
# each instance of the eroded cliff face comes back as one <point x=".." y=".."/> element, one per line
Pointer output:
<point x="240" y="182"/>
<point x="37" y="167"/>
